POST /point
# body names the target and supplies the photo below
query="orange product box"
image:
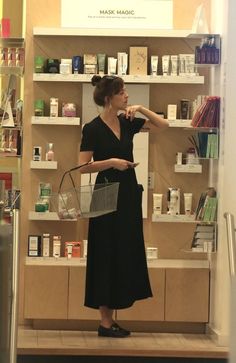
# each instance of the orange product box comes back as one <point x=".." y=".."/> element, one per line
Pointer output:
<point x="72" y="249"/>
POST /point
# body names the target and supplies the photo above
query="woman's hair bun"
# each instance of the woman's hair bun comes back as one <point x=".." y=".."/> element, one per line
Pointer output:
<point x="95" y="79"/>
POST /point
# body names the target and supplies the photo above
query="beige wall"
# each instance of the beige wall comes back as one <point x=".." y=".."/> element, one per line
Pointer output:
<point x="13" y="9"/>
<point x="171" y="239"/>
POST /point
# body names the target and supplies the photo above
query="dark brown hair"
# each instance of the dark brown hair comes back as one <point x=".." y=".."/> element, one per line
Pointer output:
<point x="106" y="86"/>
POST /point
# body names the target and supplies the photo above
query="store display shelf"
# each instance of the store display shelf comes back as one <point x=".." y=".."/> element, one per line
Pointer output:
<point x="43" y="164"/>
<point x="202" y="129"/>
<point x="180" y="123"/>
<point x="55" y="261"/>
<point x="67" y="121"/>
<point x="202" y="35"/>
<point x="12" y="42"/>
<point x="76" y="261"/>
<point x="188" y="168"/>
<point x="47" y="216"/>
<point x="9" y="154"/>
<point x="57" y="77"/>
<point x="11" y="127"/>
<point x="169" y="33"/>
<point x="5" y="70"/>
<point x="205" y="65"/>
<point x="198" y="252"/>
<point x="180" y="218"/>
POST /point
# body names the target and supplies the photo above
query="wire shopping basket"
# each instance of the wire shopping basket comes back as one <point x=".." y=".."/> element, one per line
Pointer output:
<point x="86" y="201"/>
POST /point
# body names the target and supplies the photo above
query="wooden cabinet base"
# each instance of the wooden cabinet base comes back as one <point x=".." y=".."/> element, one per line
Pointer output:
<point x="46" y="292"/>
<point x="187" y="295"/>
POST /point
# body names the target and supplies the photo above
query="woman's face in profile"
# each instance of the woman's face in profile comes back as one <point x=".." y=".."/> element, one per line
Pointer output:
<point x="120" y="100"/>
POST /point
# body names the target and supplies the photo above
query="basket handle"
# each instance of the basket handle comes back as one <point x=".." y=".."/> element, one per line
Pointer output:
<point x="71" y="178"/>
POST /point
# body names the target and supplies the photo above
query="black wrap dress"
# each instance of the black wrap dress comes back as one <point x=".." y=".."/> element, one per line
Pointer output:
<point x="117" y="272"/>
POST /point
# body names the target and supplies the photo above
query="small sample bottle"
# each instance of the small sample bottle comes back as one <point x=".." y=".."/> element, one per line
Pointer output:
<point x="50" y="152"/>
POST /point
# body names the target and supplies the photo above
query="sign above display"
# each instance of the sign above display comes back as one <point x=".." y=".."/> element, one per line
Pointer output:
<point x="122" y="14"/>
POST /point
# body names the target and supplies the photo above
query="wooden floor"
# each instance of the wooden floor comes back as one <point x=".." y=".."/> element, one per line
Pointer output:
<point x="83" y="343"/>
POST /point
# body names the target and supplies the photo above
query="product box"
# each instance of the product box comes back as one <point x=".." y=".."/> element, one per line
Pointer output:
<point x="171" y="112"/>
<point x="46" y="245"/>
<point x="34" y="246"/>
<point x="90" y="59"/>
<point x="138" y="60"/>
<point x="72" y="249"/>
<point x="56" y="252"/>
<point x="152" y="253"/>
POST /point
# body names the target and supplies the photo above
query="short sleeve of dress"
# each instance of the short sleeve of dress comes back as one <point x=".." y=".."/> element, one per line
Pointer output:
<point x="137" y="124"/>
<point x="88" y="139"/>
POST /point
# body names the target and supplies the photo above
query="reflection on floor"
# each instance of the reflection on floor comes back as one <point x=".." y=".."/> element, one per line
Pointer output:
<point x="85" y="346"/>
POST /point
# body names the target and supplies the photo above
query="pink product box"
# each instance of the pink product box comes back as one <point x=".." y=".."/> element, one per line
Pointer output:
<point x="5" y="27"/>
<point x="68" y="110"/>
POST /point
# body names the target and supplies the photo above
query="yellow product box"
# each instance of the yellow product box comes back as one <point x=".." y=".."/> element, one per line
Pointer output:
<point x="138" y="60"/>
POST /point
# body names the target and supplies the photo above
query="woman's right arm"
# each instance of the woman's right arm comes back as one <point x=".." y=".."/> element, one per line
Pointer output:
<point x="95" y="166"/>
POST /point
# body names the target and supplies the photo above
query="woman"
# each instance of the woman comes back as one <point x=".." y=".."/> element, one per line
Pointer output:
<point x="117" y="272"/>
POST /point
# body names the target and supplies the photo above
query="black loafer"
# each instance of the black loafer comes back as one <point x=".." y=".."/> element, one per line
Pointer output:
<point x="115" y="331"/>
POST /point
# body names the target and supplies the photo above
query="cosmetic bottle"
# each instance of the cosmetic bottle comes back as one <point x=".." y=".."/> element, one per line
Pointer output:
<point x="50" y="152"/>
<point x="37" y="151"/>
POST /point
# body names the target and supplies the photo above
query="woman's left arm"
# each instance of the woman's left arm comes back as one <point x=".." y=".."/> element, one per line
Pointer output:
<point x="153" y="118"/>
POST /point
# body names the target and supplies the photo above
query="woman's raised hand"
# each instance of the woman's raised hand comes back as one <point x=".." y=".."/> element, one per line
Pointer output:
<point x="131" y="110"/>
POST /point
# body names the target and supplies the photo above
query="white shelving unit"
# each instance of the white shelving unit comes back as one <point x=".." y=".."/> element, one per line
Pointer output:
<point x="180" y="218"/>
<point x="43" y="165"/>
<point x="67" y="121"/>
<point x="180" y="123"/>
<point x="47" y="216"/>
<point x="166" y="33"/>
<point x="12" y="70"/>
<point x="57" y="77"/>
<point x="188" y="168"/>
<point x="76" y="261"/>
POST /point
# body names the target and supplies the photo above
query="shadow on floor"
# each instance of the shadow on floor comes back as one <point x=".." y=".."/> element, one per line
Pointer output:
<point x="107" y="359"/>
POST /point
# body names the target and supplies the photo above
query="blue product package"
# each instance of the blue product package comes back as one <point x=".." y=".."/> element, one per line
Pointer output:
<point x="77" y="64"/>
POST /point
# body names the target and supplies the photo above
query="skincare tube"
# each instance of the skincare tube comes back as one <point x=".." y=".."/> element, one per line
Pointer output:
<point x="122" y="63"/>
<point x="173" y="201"/>
<point x="165" y="64"/>
<point x="154" y="65"/>
<point x="188" y="203"/>
<point x="157" y="203"/>
<point x="101" y="63"/>
<point x="112" y="62"/>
